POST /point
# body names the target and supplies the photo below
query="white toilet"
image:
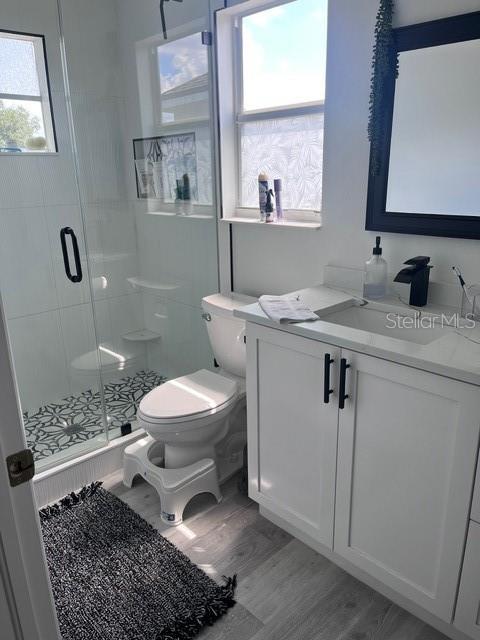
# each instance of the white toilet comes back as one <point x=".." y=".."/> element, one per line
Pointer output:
<point x="197" y="417"/>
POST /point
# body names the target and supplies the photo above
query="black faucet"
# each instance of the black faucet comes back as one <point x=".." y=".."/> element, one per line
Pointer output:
<point x="417" y="275"/>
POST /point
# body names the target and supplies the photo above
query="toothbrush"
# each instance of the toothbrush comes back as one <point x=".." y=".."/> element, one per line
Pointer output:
<point x="462" y="284"/>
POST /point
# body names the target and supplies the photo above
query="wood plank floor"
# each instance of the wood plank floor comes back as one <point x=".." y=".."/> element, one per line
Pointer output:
<point x="286" y="591"/>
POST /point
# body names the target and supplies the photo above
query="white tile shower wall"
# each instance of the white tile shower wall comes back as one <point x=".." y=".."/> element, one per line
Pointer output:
<point x="269" y="261"/>
<point x="50" y="319"/>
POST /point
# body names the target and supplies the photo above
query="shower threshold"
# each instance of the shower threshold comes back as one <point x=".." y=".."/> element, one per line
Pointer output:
<point x="76" y="422"/>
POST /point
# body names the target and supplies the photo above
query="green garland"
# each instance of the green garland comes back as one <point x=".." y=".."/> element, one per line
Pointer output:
<point x="384" y="62"/>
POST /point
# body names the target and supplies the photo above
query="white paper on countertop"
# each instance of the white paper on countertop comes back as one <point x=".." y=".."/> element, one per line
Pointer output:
<point x="286" y="310"/>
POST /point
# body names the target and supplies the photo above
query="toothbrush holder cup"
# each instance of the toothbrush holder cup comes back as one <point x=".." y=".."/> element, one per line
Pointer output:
<point x="471" y="307"/>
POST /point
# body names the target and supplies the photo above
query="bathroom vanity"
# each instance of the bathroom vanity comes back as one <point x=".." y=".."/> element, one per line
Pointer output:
<point x="383" y="424"/>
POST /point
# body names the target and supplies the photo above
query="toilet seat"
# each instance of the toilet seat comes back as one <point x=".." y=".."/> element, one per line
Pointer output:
<point x="193" y="397"/>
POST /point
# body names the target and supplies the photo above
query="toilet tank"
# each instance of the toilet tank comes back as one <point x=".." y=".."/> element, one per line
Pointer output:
<point x="226" y="333"/>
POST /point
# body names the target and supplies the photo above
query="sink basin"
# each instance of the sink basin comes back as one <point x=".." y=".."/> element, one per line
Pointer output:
<point x="408" y="326"/>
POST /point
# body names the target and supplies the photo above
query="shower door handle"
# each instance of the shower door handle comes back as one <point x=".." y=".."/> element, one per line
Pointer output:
<point x="78" y="277"/>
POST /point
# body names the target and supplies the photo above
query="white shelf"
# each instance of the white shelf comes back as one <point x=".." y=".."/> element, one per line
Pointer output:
<point x="285" y="224"/>
<point x="140" y="283"/>
<point x="183" y="124"/>
<point x="143" y="335"/>
<point x="180" y="216"/>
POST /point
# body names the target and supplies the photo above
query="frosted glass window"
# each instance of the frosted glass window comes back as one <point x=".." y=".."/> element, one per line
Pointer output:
<point x="284" y="51"/>
<point x="288" y="147"/>
<point x="26" y="122"/>
<point x="18" y="70"/>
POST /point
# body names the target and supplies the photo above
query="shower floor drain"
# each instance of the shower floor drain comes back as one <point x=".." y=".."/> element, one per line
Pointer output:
<point x="73" y="428"/>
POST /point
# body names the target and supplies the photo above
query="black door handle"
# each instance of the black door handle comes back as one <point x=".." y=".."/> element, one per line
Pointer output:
<point x="78" y="277"/>
<point x="343" y="377"/>
<point x="326" y="378"/>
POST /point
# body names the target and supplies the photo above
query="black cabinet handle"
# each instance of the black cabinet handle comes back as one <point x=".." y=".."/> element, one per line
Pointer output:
<point x="78" y="277"/>
<point x="343" y="377"/>
<point x="326" y="378"/>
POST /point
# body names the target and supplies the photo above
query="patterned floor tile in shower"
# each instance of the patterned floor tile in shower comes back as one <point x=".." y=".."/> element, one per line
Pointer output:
<point x="76" y="419"/>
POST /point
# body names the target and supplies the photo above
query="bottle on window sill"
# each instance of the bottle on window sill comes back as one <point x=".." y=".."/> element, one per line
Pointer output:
<point x="269" y="207"/>
<point x="262" y="195"/>
<point x="277" y="185"/>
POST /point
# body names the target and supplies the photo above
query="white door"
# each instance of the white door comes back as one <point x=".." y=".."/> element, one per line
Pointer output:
<point x="467" y="614"/>
<point x="26" y="604"/>
<point x="408" y="441"/>
<point x="292" y="432"/>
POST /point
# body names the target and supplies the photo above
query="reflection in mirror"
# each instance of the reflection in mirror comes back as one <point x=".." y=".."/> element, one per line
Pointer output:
<point x="435" y="144"/>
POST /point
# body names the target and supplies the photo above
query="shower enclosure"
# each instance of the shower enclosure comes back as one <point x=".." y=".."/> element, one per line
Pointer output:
<point x="107" y="211"/>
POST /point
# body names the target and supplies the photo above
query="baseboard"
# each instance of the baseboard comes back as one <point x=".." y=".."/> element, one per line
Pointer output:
<point x="448" y="629"/>
<point x="51" y="485"/>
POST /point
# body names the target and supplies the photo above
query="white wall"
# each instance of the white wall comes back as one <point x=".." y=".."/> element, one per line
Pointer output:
<point x="270" y="260"/>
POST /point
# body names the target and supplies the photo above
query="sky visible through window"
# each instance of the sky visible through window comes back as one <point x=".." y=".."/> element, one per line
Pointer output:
<point x="284" y="55"/>
<point x="181" y="61"/>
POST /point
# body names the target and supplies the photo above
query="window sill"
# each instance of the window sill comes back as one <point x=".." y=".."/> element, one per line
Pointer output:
<point x="284" y="224"/>
<point x="27" y="154"/>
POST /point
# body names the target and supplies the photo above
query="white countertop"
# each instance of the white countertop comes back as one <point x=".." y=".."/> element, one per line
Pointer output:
<point x="455" y="354"/>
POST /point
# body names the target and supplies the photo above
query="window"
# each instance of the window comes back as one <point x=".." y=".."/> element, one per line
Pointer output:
<point x="26" y="122"/>
<point x="183" y="80"/>
<point x="280" y="89"/>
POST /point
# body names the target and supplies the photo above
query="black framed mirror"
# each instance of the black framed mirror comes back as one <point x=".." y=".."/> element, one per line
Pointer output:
<point x="425" y="178"/>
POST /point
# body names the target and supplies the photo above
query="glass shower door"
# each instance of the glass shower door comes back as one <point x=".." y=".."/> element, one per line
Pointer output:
<point x="44" y="285"/>
<point x="44" y="273"/>
<point x="140" y="107"/>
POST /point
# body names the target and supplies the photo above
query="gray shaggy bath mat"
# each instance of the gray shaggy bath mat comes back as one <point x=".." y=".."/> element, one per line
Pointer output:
<point x="114" y="577"/>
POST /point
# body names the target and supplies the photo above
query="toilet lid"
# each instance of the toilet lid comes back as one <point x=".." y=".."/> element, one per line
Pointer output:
<point x="200" y="392"/>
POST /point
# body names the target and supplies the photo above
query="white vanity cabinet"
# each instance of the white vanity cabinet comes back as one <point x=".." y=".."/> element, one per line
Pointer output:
<point x="397" y="492"/>
<point x="292" y="433"/>
<point x="467" y="614"/>
<point x="407" y="447"/>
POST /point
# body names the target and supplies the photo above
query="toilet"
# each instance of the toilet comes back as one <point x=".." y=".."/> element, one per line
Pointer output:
<point x="197" y="420"/>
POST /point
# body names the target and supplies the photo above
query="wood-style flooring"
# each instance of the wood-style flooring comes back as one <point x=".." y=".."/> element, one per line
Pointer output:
<point x="286" y="591"/>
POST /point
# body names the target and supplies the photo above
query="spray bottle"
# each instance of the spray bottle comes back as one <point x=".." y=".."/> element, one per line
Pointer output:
<point x="262" y="195"/>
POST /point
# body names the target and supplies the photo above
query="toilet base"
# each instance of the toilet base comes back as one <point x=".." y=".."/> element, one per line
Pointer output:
<point x="175" y="487"/>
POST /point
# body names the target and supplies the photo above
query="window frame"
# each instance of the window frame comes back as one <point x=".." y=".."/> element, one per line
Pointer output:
<point x="242" y="116"/>
<point x="45" y="98"/>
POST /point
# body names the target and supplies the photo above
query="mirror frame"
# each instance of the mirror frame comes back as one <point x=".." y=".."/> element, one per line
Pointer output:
<point x="418" y="36"/>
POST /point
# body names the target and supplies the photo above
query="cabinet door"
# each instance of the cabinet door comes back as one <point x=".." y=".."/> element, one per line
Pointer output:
<point x="406" y="461"/>
<point x="292" y="432"/>
<point x="467" y="615"/>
